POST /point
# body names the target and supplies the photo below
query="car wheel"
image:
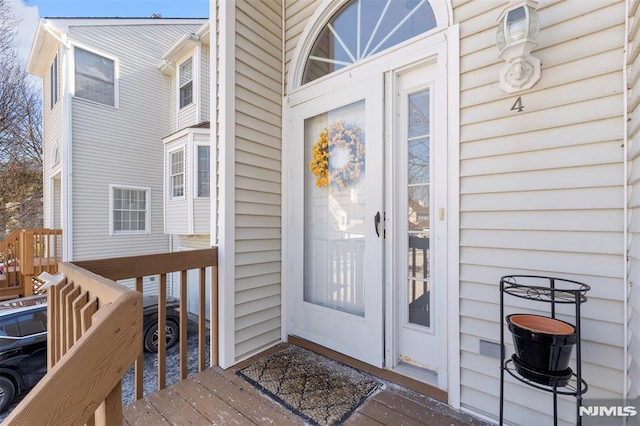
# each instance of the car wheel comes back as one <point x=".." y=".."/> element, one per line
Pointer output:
<point x="7" y="392"/>
<point x="151" y="336"/>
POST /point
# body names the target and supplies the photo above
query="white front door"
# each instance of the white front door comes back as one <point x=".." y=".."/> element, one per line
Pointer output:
<point x="337" y="221"/>
<point x="378" y="294"/>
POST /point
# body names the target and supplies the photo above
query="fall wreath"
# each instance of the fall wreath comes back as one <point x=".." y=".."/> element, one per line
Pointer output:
<point x="342" y="141"/>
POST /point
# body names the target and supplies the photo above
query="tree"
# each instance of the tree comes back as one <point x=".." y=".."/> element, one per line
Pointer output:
<point x="20" y="136"/>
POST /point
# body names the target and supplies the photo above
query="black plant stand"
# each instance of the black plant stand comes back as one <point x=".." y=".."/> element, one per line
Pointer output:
<point x="553" y="291"/>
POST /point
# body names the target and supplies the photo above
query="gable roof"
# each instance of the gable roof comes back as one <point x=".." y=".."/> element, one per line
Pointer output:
<point x="52" y="32"/>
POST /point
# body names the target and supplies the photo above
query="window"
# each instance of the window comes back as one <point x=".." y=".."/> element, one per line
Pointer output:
<point x="186" y="82"/>
<point x="177" y="174"/>
<point x="130" y="209"/>
<point x="95" y="77"/>
<point x="55" y="157"/>
<point x="25" y="324"/>
<point x="204" y="172"/>
<point x="53" y="81"/>
<point x="363" y="28"/>
<point x="32" y="323"/>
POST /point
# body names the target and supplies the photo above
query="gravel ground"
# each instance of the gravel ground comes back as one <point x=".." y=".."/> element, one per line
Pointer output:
<point x="150" y="375"/>
<point x="150" y="367"/>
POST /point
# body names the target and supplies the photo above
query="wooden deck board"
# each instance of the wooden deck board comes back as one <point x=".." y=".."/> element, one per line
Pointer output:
<point x="386" y="415"/>
<point x="217" y="396"/>
<point x="143" y="413"/>
<point x="246" y="399"/>
<point x="357" y="419"/>
<point x="209" y="405"/>
<point x="176" y="410"/>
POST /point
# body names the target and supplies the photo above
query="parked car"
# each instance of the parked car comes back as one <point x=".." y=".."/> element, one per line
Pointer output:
<point x="150" y="322"/>
<point x="23" y="340"/>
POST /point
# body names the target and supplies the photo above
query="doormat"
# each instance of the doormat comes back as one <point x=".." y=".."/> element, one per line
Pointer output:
<point x="319" y="389"/>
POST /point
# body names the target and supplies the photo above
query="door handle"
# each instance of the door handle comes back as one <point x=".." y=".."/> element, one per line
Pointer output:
<point x="376" y="222"/>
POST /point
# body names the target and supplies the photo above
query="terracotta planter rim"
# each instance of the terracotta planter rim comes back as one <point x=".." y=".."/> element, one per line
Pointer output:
<point x="541" y="324"/>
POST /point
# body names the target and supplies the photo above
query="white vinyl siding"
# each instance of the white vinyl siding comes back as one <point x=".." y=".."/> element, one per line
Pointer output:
<point x="633" y="156"/>
<point x="56" y="205"/>
<point x="174" y="110"/>
<point x="128" y="139"/>
<point x="52" y="137"/>
<point x="540" y="193"/>
<point x="204" y="95"/>
<point x="297" y="14"/>
<point x="186" y="243"/>
<point x="258" y="175"/>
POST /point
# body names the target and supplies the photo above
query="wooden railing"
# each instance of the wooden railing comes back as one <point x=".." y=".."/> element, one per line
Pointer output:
<point x="24" y="254"/>
<point x="94" y="334"/>
<point x="161" y="265"/>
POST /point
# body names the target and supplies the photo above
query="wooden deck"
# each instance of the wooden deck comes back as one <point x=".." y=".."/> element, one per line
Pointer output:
<point x="217" y="396"/>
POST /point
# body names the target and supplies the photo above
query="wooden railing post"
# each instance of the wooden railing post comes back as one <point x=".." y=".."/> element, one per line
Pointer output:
<point x="110" y="411"/>
<point x="99" y="335"/>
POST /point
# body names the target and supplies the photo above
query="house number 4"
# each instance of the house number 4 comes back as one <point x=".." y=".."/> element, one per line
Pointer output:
<point x="517" y="106"/>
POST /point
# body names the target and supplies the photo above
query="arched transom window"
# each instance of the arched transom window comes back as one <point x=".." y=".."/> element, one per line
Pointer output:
<point x="362" y="28"/>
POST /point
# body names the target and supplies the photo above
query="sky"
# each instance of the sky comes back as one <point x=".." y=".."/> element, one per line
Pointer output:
<point x="30" y="11"/>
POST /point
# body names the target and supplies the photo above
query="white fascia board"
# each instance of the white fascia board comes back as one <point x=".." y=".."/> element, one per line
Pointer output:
<point x="186" y="131"/>
<point x="180" y="48"/>
<point x="204" y="31"/>
<point x="42" y="47"/>
<point x="66" y="23"/>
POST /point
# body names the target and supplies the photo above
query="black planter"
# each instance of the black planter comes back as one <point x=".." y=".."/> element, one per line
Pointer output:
<point x="543" y="345"/>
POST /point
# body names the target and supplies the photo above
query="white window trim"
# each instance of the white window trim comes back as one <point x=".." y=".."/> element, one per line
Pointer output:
<point x="169" y="175"/>
<point x="147" y="190"/>
<point x="195" y="70"/>
<point x="196" y="171"/>
<point x="116" y="76"/>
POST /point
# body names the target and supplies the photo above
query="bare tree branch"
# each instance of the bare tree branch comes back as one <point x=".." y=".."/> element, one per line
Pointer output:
<point x="20" y="135"/>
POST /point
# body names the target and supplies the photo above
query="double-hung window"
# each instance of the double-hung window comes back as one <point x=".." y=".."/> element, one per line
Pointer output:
<point x="186" y="82"/>
<point x="204" y="172"/>
<point x="53" y="82"/>
<point x="130" y="210"/>
<point x="94" y="77"/>
<point x="177" y="174"/>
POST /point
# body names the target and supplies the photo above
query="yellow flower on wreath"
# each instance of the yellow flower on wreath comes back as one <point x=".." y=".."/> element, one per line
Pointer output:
<point x="338" y="135"/>
<point x="319" y="164"/>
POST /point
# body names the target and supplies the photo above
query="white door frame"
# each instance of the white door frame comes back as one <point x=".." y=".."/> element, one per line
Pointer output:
<point x="443" y="47"/>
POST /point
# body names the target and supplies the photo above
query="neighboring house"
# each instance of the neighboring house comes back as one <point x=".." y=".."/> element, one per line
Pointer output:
<point x="187" y="154"/>
<point x="106" y="109"/>
<point x="450" y="182"/>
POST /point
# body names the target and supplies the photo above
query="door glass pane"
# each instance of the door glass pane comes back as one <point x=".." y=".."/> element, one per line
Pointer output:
<point x="334" y="188"/>
<point x="362" y="28"/>
<point x="419" y="208"/>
